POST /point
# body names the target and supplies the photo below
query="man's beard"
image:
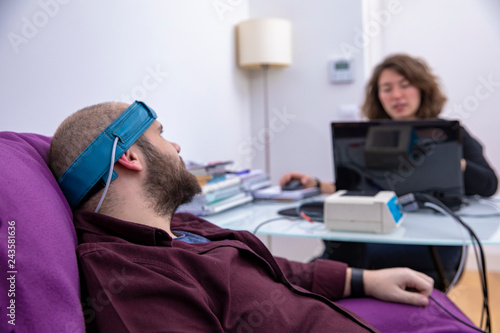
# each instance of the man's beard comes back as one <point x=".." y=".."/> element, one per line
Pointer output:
<point x="168" y="184"/>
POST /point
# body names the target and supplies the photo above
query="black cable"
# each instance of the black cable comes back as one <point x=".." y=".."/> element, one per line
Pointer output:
<point x="485" y="313"/>
<point x="455" y="317"/>
<point x="409" y="201"/>
<point x="482" y="270"/>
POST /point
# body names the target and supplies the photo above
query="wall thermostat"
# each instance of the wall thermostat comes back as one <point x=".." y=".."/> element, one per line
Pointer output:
<point x="341" y="71"/>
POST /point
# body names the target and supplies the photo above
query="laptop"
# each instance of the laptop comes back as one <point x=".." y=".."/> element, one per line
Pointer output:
<point x="401" y="156"/>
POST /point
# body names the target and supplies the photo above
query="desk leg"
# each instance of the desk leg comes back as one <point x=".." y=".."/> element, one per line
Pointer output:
<point x="439" y="267"/>
<point x="269" y="241"/>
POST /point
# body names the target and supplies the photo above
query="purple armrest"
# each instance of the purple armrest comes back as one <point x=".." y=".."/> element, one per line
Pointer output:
<point x="42" y="292"/>
<point x="397" y="318"/>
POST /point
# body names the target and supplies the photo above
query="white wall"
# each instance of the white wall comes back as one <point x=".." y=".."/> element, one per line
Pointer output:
<point x="303" y="96"/>
<point x="178" y="56"/>
<point x="303" y="91"/>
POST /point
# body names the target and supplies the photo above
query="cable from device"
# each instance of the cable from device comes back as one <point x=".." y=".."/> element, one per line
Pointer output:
<point x="300" y="215"/>
<point x="410" y="204"/>
<point x="110" y="175"/>
<point x="455" y="317"/>
<point x="463" y="256"/>
<point x="479" y="253"/>
<point x="273" y="220"/>
<point x="413" y="201"/>
<point x="487" y="202"/>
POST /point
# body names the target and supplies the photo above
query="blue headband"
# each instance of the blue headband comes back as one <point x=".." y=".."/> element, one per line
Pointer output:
<point x="93" y="163"/>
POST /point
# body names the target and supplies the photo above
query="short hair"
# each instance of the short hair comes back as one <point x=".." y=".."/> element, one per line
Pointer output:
<point x="418" y="73"/>
<point x="77" y="131"/>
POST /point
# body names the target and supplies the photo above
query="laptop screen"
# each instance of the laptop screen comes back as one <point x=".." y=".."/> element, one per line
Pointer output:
<point x="400" y="156"/>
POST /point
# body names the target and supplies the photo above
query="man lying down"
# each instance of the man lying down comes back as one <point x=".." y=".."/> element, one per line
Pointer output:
<point x="146" y="269"/>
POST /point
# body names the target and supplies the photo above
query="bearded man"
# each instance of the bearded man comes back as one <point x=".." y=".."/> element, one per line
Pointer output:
<point x="146" y="269"/>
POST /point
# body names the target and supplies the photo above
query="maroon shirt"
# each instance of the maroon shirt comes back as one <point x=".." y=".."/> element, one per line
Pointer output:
<point x="137" y="279"/>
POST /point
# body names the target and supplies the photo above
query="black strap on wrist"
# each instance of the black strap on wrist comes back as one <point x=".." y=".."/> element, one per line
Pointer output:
<point x="357" y="287"/>
<point x="318" y="183"/>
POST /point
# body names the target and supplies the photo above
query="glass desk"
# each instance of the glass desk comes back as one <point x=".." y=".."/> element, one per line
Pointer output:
<point x="423" y="227"/>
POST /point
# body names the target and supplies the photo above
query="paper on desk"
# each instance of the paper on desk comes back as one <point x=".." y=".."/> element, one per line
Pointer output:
<point x="275" y="193"/>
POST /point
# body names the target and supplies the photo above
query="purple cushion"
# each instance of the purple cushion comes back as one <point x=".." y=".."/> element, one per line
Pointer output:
<point x="392" y="317"/>
<point x="45" y="284"/>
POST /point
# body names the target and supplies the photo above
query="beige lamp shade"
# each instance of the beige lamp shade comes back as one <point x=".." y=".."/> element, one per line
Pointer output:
<point x="266" y="41"/>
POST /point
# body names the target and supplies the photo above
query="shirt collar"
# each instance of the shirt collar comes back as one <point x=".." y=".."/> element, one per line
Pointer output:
<point x="129" y="231"/>
<point x="100" y="224"/>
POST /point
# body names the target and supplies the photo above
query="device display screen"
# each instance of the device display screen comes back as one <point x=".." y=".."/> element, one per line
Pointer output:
<point x="341" y="65"/>
<point x="386" y="139"/>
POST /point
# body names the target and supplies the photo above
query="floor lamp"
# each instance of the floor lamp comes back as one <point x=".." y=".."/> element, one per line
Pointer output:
<point x="264" y="43"/>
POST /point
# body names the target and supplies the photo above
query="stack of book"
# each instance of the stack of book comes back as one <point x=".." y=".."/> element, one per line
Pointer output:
<point x="221" y="189"/>
<point x="253" y="180"/>
<point x="205" y="173"/>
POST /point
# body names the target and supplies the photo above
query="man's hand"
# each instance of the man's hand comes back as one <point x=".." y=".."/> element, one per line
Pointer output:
<point x="401" y="285"/>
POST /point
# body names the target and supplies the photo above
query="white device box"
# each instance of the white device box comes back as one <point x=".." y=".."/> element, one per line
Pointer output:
<point x="379" y="213"/>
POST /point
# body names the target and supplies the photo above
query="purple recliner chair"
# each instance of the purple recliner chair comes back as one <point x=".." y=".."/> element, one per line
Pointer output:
<point x="40" y="285"/>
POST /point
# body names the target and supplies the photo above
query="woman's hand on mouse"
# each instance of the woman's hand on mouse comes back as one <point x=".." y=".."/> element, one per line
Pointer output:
<point x="306" y="180"/>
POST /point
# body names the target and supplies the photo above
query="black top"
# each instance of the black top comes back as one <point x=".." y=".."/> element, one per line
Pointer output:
<point x="479" y="177"/>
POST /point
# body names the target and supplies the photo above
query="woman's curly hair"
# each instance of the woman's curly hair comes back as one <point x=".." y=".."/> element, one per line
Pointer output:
<point x="418" y="73"/>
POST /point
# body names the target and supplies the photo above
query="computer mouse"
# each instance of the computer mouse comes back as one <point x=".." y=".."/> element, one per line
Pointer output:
<point x="292" y="185"/>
